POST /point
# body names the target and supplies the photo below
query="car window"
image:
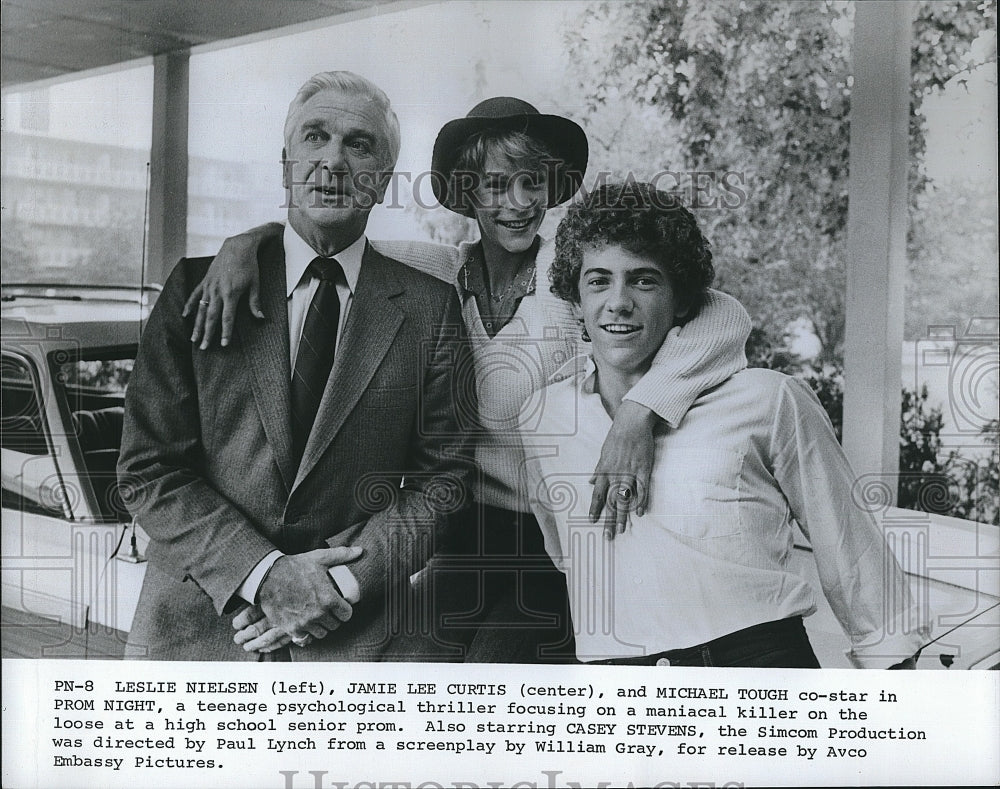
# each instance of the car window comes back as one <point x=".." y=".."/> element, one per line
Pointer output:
<point x="29" y="477"/>
<point x="93" y="384"/>
<point x="108" y="376"/>
<point x="90" y="383"/>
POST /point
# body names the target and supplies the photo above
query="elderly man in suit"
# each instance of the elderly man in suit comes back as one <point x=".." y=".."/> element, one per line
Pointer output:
<point x="311" y="466"/>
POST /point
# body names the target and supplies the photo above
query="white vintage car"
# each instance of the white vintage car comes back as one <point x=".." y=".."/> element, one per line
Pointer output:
<point x="72" y="558"/>
<point x="72" y="561"/>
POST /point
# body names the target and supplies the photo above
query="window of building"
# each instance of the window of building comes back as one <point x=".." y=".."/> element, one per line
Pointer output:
<point x="72" y="190"/>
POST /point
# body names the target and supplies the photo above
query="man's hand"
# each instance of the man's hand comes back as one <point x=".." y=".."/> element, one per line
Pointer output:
<point x="232" y="275"/>
<point x="254" y="632"/>
<point x="621" y="479"/>
<point x="299" y="598"/>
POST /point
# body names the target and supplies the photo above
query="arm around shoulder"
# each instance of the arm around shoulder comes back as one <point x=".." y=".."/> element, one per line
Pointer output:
<point x="232" y="277"/>
<point x="438" y="260"/>
<point x="703" y="353"/>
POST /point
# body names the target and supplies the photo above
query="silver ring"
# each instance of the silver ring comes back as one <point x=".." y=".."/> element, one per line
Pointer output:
<point x="204" y="303"/>
<point x="305" y="641"/>
<point x="625" y="492"/>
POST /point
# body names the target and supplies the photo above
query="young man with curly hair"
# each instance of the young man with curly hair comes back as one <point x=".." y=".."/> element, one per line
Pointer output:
<point x="701" y="577"/>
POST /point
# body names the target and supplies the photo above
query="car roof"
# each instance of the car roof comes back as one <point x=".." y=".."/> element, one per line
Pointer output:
<point x="73" y="317"/>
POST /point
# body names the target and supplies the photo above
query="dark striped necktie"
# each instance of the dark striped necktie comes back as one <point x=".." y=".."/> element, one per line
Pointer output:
<point x="317" y="346"/>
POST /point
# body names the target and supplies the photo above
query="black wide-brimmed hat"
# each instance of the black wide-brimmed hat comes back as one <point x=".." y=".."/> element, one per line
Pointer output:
<point x="561" y="136"/>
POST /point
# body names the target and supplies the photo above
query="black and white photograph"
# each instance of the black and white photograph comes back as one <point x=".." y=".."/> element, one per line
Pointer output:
<point x="633" y="355"/>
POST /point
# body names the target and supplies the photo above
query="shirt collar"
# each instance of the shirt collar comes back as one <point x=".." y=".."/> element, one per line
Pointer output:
<point x="582" y="368"/>
<point x="470" y="275"/>
<point x="298" y="256"/>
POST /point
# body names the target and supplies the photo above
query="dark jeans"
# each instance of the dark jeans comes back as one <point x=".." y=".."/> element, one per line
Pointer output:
<point x="495" y="595"/>
<point x="779" y="644"/>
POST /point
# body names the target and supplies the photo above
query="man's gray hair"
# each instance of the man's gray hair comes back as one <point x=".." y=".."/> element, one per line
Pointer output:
<point x="349" y="82"/>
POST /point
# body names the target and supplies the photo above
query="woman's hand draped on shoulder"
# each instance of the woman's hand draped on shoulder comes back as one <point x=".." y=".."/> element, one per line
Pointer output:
<point x="232" y="275"/>
<point x="621" y="479"/>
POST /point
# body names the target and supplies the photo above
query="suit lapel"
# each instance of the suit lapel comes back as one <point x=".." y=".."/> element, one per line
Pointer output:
<point x="371" y="327"/>
<point x="265" y="344"/>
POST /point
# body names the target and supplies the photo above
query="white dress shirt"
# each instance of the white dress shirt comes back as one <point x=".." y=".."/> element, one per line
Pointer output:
<point x="300" y="288"/>
<point x="710" y="556"/>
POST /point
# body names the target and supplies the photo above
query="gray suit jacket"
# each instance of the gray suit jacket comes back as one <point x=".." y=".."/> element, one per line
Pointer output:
<point x="207" y="466"/>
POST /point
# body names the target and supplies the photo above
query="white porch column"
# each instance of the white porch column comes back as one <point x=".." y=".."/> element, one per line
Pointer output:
<point x="876" y="234"/>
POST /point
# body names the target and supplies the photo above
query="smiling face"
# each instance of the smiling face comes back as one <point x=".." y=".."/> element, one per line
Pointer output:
<point x="509" y="204"/>
<point x="336" y="166"/>
<point x="628" y="305"/>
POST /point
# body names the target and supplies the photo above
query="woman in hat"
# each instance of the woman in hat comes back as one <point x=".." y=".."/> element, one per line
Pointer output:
<point x="504" y="165"/>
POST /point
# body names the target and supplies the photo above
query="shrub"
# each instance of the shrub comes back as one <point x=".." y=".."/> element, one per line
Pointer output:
<point x="930" y="480"/>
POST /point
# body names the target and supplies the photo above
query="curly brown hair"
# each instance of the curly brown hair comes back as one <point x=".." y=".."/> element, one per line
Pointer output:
<point x="644" y="221"/>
